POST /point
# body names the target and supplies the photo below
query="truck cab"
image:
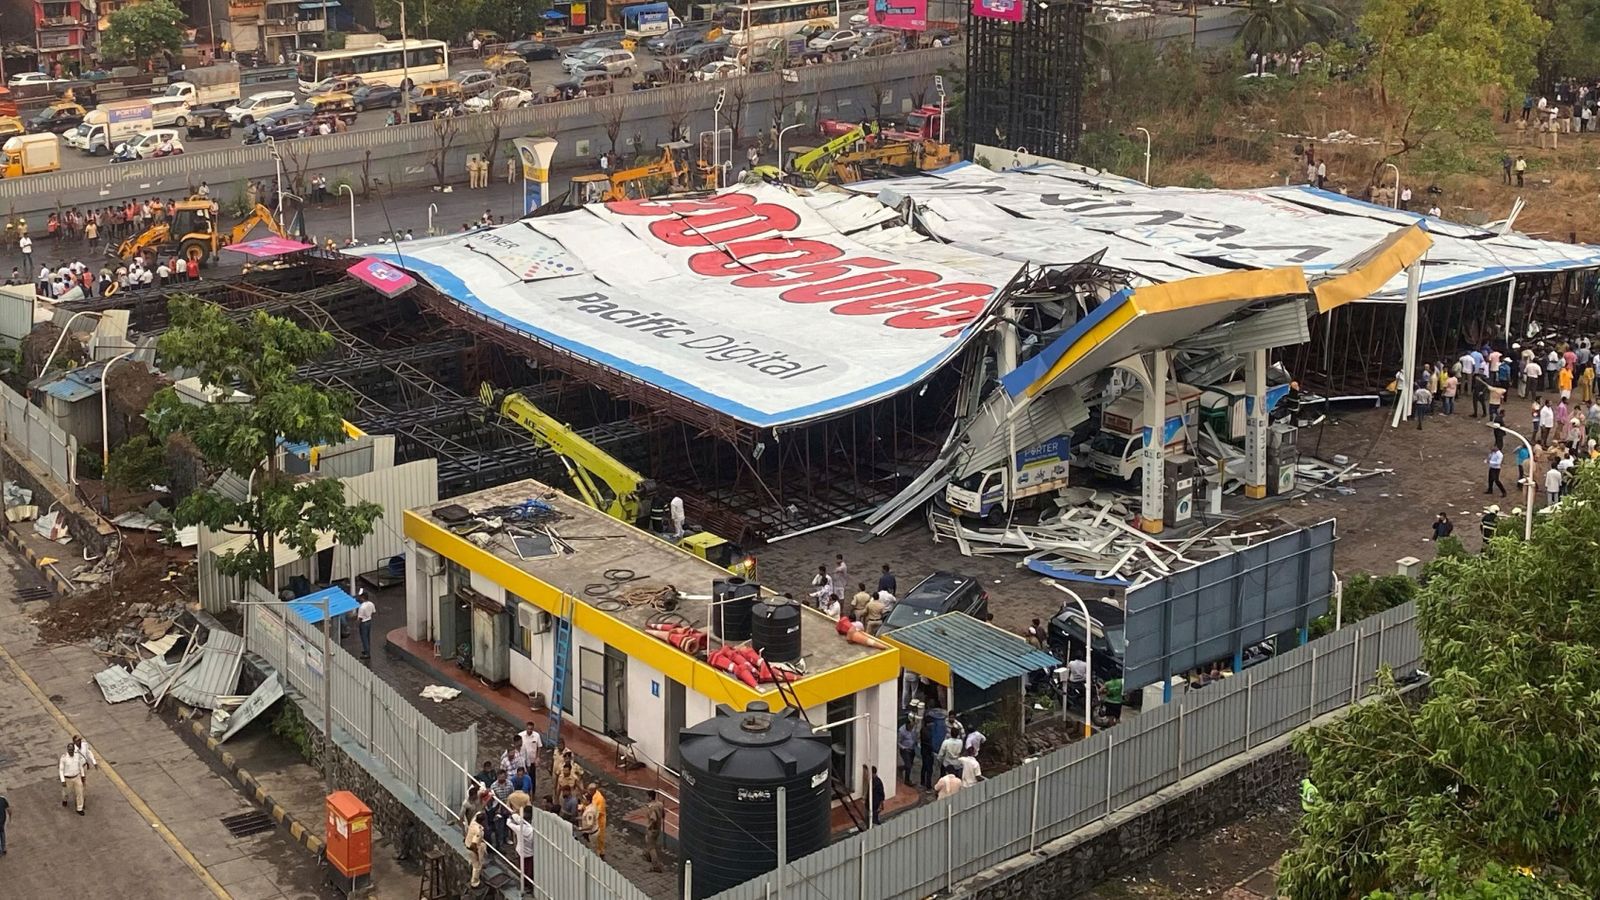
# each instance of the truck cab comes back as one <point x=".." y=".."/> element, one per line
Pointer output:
<point x="922" y="124"/>
<point x="1117" y="449"/>
<point x="1040" y="471"/>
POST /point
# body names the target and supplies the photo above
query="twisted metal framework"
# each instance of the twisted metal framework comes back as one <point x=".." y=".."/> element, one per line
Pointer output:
<point x="1025" y="80"/>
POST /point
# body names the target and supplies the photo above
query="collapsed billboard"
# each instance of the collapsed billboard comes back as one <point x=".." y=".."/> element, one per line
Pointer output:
<point x="748" y="302"/>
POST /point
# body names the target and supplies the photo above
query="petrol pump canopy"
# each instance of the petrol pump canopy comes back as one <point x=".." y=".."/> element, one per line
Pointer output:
<point x="767" y="307"/>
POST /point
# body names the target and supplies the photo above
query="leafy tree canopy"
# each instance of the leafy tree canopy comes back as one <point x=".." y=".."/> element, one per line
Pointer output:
<point x="143" y="32"/>
<point x="258" y="357"/>
<point x="1489" y="788"/>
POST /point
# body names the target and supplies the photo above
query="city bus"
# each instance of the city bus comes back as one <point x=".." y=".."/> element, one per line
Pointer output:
<point x="756" y="22"/>
<point x="648" y="19"/>
<point x="385" y="63"/>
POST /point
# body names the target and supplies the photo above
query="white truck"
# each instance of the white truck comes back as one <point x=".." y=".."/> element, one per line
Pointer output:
<point x="1118" y="449"/>
<point x="216" y="85"/>
<point x="1041" y="469"/>
<point x="110" y="124"/>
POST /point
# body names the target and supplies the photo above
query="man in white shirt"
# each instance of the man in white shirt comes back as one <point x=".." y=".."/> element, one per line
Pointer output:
<point x="364" y="614"/>
<point x="974" y="742"/>
<point x="949" y="751"/>
<point x="947" y="786"/>
<point x="25" y="244"/>
<point x="1552" y="485"/>
<point x="70" y="768"/>
<point x="1547" y="421"/>
<point x="970" y="770"/>
<point x="522" y="827"/>
<point x="531" y="743"/>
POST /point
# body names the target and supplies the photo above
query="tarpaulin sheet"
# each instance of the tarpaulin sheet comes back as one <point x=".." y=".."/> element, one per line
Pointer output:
<point x="1040" y="211"/>
<point x="749" y="302"/>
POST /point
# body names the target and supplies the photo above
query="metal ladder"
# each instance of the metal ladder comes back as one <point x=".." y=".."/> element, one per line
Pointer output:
<point x="856" y="813"/>
<point x="558" y="691"/>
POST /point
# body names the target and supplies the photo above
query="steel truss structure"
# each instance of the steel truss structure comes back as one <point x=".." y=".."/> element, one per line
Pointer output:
<point x="1024" y="80"/>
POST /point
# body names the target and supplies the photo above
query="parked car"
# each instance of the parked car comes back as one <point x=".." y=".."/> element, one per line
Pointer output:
<point x="151" y="144"/>
<point x="257" y="106"/>
<point x="499" y="98"/>
<point x="169" y="111"/>
<point x="937" y="594"/>
<point x="833" y="40"/>
<point x="610" y="40"/>
<point x="282" y="126"/>
<point x="615" y="63"/>
<point x="1064" y="635"/>
<point x="700" y="55"/>
<point x="337" y="84"/>
<point x="57" y="118"/>
<point x="581" y="58"/>
<point x="533" y="50"/>
<point x="376" y="96"/>
<point x="877" y="43"/>
<point x="23" y="79"/>
<point x="594" y="82"/>
<point x="722" y="68"/>
<point x="475" y="81"/>
<point x="675" y="41"/>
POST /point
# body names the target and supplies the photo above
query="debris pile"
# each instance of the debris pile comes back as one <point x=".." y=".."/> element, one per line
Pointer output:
<point x="115" y="610"/>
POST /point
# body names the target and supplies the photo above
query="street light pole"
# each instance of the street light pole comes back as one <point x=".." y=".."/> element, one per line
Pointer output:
<point x="277" y="167"/>
<point x="65" y="330"/>
<point x="938" y="85"/>
<point x="781" y="132"/>
<point x="716" y="136"/>
<point x="1527" y="523"/>
<point x="1394" y="201"/>
<point x="1146" y="152"/>
<point x="347" y="189"/>
<point x="1088" y="654"/>
<point x="105" y="431"/>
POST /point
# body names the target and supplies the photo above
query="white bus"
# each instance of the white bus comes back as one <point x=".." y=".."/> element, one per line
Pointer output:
<point x="756" y="22"/>
<point x="385" y="63"/>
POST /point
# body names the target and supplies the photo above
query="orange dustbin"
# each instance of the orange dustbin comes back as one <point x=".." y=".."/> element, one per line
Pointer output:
<point x="349" y="834"/>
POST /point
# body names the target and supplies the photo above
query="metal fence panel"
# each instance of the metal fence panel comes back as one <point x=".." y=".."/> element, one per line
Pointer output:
<point x="46" y="443"/>
<point x="927" y="850"/>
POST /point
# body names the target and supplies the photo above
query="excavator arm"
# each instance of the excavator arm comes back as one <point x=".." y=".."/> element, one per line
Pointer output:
<point x="815" y="162"/>
<point x="258" y="216"/>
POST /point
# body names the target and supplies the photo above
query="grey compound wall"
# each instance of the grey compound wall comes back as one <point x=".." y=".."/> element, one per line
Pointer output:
<point x="394" y="157"/>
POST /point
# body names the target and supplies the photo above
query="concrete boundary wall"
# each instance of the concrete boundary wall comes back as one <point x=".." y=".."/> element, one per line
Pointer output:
<point x="400" y="156"/>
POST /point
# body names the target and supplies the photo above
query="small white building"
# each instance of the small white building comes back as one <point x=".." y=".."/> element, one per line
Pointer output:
<point x="487" y="589"/>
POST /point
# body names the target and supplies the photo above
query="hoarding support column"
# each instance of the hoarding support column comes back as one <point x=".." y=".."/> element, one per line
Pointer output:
<point x="1408" y="359"/>
<point x="1255" y="428"/>
<point x="1154" y="466"/>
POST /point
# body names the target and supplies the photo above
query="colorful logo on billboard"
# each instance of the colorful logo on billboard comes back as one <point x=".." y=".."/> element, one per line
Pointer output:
<point x="382" y="277"/>
<point x="910" y="15"/>
<point x="1009" y="10"/>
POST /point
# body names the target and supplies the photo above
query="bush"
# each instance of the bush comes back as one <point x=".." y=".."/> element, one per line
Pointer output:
<point x="1367" y="596"/>
<point x="138" y="463"/>
<point x="89" y="462"/>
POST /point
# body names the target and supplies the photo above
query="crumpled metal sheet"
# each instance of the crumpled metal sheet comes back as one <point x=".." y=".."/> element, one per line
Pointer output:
<point x="117" y="685"/>
<point x="216" y="674"/>
<point x="153" y="671"/>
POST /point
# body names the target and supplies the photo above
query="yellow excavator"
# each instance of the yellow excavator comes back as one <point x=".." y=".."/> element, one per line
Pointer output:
<point x="816" y="162"/>
<point x="605" y="483"/>
<point x="899" y="156"/>
<point x="193" y="232"/>
<point x="668" y="174"/>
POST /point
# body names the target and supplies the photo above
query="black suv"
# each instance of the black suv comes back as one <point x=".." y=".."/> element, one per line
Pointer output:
<point x="1110" y="641"/>
<point x="939" y="593"/>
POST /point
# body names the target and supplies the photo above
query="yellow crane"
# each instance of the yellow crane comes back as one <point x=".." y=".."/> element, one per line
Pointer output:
<point x="605" y="482"/>
<point x="816" y="162"/>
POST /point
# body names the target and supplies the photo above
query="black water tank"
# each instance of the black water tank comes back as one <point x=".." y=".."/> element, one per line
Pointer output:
<point x="732" y="599"/>
<point x="775" y="632"/>
<point x="732" y="767"/>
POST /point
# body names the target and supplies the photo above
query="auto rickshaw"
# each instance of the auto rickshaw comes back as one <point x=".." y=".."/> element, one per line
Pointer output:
<point x="334" y="104"/>
<point x="209" y="122"/>
<point x="10" y="126"/>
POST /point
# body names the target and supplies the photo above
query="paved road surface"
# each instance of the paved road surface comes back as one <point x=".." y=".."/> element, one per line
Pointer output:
<point x="152" y="825"/>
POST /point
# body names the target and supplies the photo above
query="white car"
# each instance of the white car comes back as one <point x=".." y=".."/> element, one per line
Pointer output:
<point x="22" y="79"/>
<point x="258" y="106"/>
<point x="722" y="68"/>
<point x="499" y="98"/>
<point x="583" y="58"/>
<point x="169" y="112"/>
<point x="834" y="39"/>
<point x="145" y="144"/>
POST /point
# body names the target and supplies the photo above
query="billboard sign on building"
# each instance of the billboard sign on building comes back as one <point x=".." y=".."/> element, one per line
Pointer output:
<point x="1007" y="10"/>
<point x="908" y="15"/>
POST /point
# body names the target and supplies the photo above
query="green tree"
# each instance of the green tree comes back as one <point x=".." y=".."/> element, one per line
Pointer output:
<point x="1572" y="46"/>
<point x="1268" y="26"/>
<point x="1487" y="789"/>
<point x="1431" y="62"/>
<point x="258" y="357"/>
<point x="143" y="32"/>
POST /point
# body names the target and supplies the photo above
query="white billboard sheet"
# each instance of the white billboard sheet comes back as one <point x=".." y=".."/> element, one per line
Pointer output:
<point x="1317" y="230"/>
<point x="748" y="302"/>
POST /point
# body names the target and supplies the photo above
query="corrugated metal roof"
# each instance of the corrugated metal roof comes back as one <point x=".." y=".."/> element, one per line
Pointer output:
<point x="74" y="384"/>
<point x="309" y="607"/>
<point x="216" y="675"/>
<point x="118" y="685"/>
<point x="976" y="651"/>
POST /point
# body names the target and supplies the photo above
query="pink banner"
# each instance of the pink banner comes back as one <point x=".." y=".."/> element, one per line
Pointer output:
<point x="910" y="15"/>
<point x="382" y="277"/>
<point x="267" y="246"/>
<point x="1009" y="10"/>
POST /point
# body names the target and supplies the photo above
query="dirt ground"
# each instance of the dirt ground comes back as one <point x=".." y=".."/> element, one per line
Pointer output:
<point x="153" y="579"/>
<point x="1439" y="469"/>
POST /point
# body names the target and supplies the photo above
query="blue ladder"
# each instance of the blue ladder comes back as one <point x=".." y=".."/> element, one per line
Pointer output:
<point x="558" y="693"/>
